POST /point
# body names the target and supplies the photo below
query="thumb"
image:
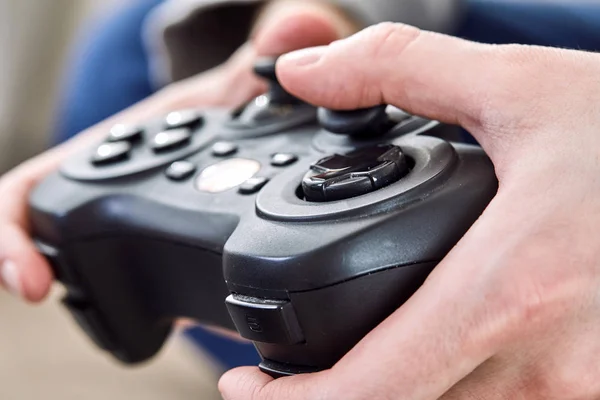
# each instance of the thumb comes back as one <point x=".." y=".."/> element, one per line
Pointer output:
<point x="433" y="75"/>
<point x="388" y="63"/>
<point x="249" y="383"/>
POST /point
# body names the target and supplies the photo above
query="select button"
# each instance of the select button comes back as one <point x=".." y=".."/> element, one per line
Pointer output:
<point x="253" y="185"/>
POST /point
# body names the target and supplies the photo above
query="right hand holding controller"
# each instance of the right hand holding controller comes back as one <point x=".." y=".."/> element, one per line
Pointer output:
<point x="513" y="311"/>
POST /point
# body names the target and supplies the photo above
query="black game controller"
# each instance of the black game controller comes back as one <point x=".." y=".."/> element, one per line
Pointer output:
<point x="301" y="228"/>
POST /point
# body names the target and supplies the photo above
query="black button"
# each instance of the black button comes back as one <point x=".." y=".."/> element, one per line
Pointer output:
<point x="170" y="140"/>
<point x="253" y="185"/>
<point x="372" y="121"/>
<point x="91" y="322"/>
<point x="360" y="172"/>
<point x="110" y="153"/>
<point x="265" y="321"/>
<point x="283" y="159"/>
<point x="180" y="170"/>
<point x="224" y="149"/>
<point x="183" y="119"/>
<point x="130" y="133"/>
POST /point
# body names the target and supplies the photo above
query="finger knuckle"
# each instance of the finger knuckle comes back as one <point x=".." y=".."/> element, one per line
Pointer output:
<point x="532" y="306"/>
<point x="364" y="58"/>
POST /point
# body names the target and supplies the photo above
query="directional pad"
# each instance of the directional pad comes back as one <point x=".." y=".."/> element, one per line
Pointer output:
<point x="360" y="172"/>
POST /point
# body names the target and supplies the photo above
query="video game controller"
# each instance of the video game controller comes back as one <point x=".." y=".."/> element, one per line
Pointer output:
<point x="302" y="229"/>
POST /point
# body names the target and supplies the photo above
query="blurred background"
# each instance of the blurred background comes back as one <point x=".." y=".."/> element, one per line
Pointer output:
<point x="43" y="354"/>
<point x="35" y="39"/>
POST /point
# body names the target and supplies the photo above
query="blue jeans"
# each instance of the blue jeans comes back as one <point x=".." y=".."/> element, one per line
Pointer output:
<point x="110" y="73"/>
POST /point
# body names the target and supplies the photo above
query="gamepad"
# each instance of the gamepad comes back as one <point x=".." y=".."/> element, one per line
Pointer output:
<point x="301" y="228"/>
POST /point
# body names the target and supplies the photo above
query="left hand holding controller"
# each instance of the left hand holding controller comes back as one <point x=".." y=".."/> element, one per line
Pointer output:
<point x="513" y="312"/>
<point x="283" y="26"/>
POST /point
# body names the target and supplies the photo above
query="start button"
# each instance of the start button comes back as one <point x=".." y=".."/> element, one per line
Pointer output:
<point x="226" y="175"/>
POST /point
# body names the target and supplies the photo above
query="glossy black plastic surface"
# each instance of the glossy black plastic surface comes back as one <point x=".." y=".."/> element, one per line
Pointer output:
<point x="362" y="171"/>
<point x="142" y="242"/>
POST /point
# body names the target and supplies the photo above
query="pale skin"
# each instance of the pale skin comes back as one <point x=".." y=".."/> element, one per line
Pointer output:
<point x="513" y="311"/>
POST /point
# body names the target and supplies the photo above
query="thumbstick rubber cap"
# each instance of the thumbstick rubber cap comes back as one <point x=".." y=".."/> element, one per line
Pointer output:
<point x="265" y="68"/>
<point x="362" y="122"/>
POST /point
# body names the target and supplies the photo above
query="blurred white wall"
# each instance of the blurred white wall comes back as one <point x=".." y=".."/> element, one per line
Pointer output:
<point x="35" y="37"/>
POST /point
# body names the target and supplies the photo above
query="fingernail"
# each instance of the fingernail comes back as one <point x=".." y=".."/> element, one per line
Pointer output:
<point x="9" y="276"/>
<point x="305" y="57"/>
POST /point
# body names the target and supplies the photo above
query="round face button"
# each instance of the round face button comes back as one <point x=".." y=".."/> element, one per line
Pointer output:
<point x="110" y="153"/>
<point x="226" y="175"/>
<point x="129" y="133"/>
<point x="224" y="149"/>
<point x="360" y="172"/>
<point x="170" y="140"/>
<point x="182" y="118"/>
<point x="180" y="170"/>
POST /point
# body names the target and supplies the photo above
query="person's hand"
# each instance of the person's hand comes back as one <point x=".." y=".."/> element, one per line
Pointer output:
<point x="513" y="312"/>
<point x="283" y="26"/>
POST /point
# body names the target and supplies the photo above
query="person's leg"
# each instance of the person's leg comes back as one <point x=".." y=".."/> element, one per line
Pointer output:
<point x="109" y="74"/>
<point x="557" y="24"/>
